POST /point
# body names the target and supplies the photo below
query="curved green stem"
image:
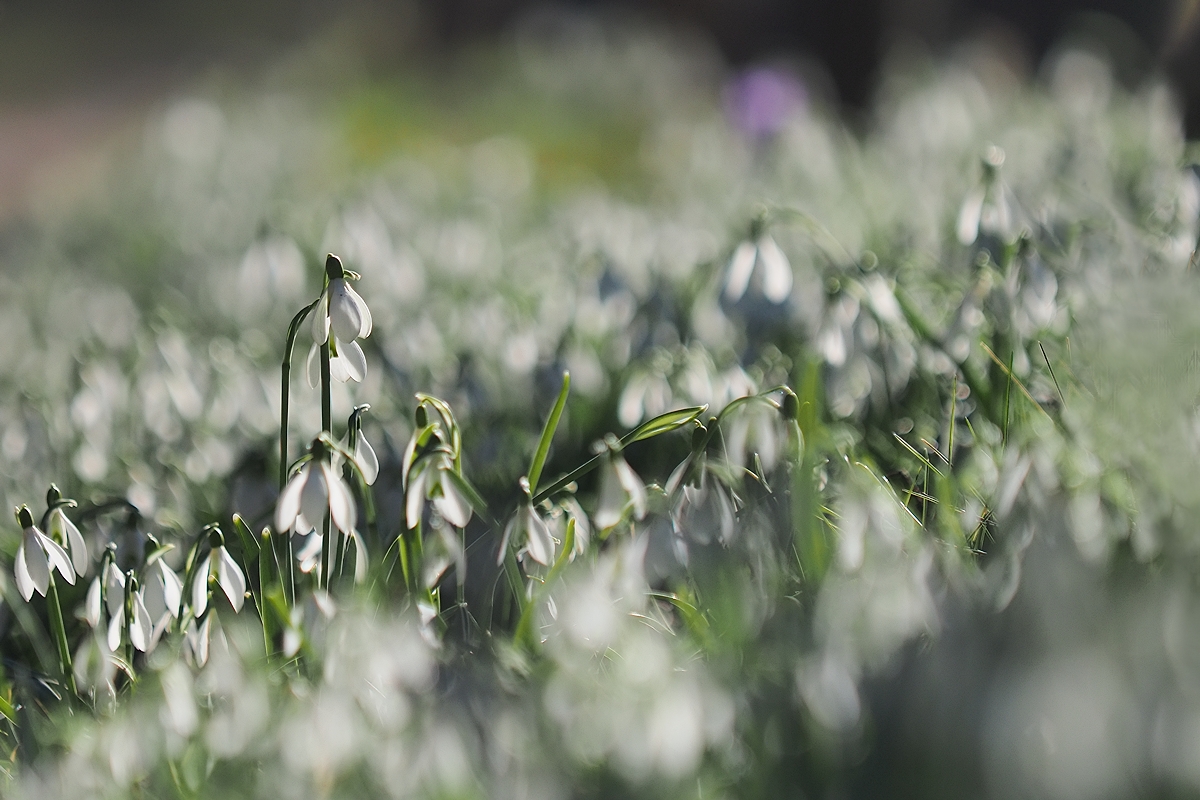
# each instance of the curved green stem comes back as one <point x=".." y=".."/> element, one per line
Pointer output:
<point x="60" y="637"/>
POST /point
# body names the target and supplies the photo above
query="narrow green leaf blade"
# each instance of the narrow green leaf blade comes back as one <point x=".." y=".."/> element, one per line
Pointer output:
<point x="543" y="448"/>
<point x="663" y="423"/>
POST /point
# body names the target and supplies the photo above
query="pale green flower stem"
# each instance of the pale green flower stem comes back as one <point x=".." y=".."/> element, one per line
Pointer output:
<point x="284" y="407"/>
<point x="60" y="636"/>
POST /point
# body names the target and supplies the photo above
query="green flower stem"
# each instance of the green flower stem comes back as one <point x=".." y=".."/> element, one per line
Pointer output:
<point x="264" y="580"/>
<point x="327" y="427"/>
<point x="293" y="330"/>
<point x="60" y="637"/>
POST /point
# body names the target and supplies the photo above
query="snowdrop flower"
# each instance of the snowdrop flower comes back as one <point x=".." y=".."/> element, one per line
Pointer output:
<point x="229" y="575"/>
<point x="162" y="592"/>
<point x="139" y="629"/>
<point x="620" y="491"/>
<point x="527" y="523"/>
<point x="363" y="455"/>
<point x="985" y="209"/>
<point x="342" y="312"/>
<point x="37" y="557"/>
<point x="705" y="512"/>
<point x="315" y="489"/>
<point x="432" y="478"/>
<point x="62" y="530"/>
<point x="762" y="256"/>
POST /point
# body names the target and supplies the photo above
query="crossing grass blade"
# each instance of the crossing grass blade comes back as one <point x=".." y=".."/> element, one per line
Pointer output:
<point x="543" y="448"/>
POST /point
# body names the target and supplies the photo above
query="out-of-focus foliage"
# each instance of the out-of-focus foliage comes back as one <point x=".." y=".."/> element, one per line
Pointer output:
<point x="964" y="570"/>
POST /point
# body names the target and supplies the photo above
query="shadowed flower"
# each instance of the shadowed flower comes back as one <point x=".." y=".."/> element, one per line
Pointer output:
<point x="621" y="490"/>
<point x="315" y="489"/>
<point x="529" y="525"/>
<point x="761" y="257"/>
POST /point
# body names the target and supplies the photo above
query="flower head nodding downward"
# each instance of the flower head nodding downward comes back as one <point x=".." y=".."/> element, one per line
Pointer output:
<point x="229" y="575"/>
<point x="760" y="255"/>
<point x="315" y="488"/>
<point x="621" y="490"/>
<point x="344" y="313"/>
<point x="37" y="557"/>
<point x="60" y="528"/>
<point x="528" y="526"/>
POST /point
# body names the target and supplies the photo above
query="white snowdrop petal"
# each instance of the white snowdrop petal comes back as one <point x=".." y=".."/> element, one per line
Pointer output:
<point x="361" y="562"/>
<point x="741" y="266"/>
<point x="364" y="329"/>
<point x="57" y="557"/>
<point x="114" y="588"/>
<point x="540" y="544"/>
<point x="312" y="368"/>
<point x="353" y="360"/>
<point x="320" y="323"/>
<point x="368" y="462"/>
<point x="508" y="532"/>
<point x="24" y="580"/>
<point x="633" y="487"/>
<point x="289" y="501"/>
<point x="200" y="587"/>
<point x="345" y="315"/>
<point x="91" y="605"/>
<point x="35" y="561"/>
<point x="80" y="558"/>
<point x="452" y="505"/>
<point x="339" y="369"/>
<point x="415" y="498"/>
<point x="341" y="502"/>
<point x="231" y="579"/>
<point x="777" y="271"/>
<point x="115" y="625"/>
<point x="172" y="588"/>
<point x="314" y="500"/>
<point x="153" y="596"/>
<point x="139" y="627"/>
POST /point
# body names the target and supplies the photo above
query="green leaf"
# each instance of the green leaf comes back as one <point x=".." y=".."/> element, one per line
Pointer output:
<point x="543" y="448"/>
<point x="663" y="423"/>
<point x="249" y="540"/>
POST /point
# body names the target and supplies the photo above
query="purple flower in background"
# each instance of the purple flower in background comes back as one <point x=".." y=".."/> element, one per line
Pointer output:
<point x="758" y="101"/>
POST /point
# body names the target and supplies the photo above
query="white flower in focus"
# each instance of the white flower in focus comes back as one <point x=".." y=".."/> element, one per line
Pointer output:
<point x="342" y="312"/>
<point x="61" y="529"/>
<point x="229" y="577"/>
<point x="315" y="489"/>
<point x="620" y="490"/>
<point x="37" y="556"/>
<point x="764" y="257"/>
<point x="162" y="592"/>
<point x="341" y="308"/>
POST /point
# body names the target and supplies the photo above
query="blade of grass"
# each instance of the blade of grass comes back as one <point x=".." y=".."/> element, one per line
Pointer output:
<point x="1053" y="377"/>
<point x="543" y="448"/>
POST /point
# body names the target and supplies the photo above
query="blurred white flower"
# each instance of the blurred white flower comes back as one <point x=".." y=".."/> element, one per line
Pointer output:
<point x="37" y="556"/>
<point x="764" y="257"/>
<point x="538" y="543"/>
<point x="620" y="491"/>
<point x="162" y="592"/>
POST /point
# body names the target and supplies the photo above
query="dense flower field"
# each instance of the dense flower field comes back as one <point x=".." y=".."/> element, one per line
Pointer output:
<point x="641" y="432"/>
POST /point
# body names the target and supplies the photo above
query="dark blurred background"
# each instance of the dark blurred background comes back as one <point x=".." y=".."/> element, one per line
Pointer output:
<point x="69" y="67"/>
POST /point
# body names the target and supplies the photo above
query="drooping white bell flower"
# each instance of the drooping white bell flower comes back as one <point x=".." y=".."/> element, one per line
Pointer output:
<point x="764" y="256"/>
<point x="229" y="576"/>
<point x="621" y="490"/>
<point x="342" y="312"/>
<point x="139" y="630"/>
<point x="162" y="591"/>
<point x="37" y="556"/>
<point x="431" y="479"/>
<point x="315" y="489"/>
<point x="61" y="529"/>
<point x="346" y="363"/>
<point x="341" y="308"/>
<point x="538" y="544"/>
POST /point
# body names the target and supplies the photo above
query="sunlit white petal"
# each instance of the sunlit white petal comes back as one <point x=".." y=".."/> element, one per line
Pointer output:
<point x="230" y="578"/>
<point x="57" y="557"/>
<point x="200" y="586"/>
<point x="24" y="580"/>
<point x="289" y="501"/>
